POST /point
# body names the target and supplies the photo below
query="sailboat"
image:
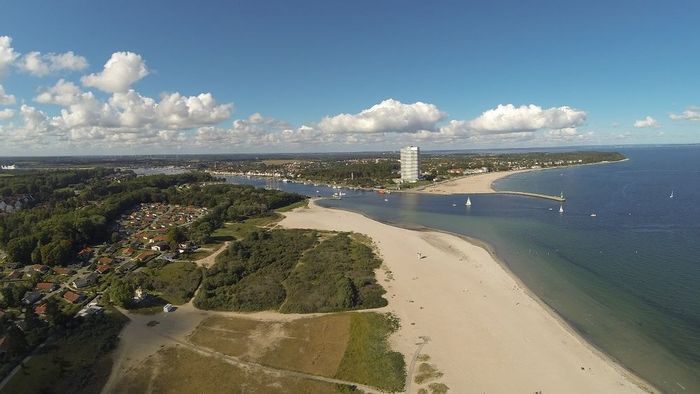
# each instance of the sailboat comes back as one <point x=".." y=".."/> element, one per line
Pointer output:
<point x="671" y="196"/>
<point x="468" y="203"/>
<point x="561" y="209"/>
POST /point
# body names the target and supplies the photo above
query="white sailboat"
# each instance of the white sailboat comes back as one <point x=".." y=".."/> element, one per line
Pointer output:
<point x="671" y="196"/>
<point x="469" y="202"/>
<point x="561" y="208"/>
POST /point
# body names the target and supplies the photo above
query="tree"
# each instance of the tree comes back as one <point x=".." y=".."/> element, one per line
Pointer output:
<point x="121" y="292"/>
<point x="53" y="312"/>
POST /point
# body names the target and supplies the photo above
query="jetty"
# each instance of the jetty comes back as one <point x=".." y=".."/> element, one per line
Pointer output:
<point x="535" y="195"/>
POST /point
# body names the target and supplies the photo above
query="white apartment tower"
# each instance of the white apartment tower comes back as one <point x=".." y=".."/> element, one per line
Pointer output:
<point x="410" y="164"/>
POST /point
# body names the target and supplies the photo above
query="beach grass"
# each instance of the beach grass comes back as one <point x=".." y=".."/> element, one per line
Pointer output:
<point x="177" y="369"/>
<point x="368" y="358"/>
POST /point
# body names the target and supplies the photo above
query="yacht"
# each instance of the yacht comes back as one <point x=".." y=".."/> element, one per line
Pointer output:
<point x="469" y="202"/>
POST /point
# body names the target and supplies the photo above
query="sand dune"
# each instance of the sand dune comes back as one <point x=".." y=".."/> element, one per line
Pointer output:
<point x="485" y="332"/>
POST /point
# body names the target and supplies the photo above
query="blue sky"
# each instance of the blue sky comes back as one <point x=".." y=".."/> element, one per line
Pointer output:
<point x="319" y="75"/>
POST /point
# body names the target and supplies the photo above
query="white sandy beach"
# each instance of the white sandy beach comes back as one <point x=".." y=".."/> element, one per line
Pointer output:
<point x="474" y="184"/>
<point x="486" y="333"/>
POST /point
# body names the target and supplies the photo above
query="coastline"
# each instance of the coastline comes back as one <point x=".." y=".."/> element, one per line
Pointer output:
<point x="616" y="377"/>
<point x="483" y="183"/>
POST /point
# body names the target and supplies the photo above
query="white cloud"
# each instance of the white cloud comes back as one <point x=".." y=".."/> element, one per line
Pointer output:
<point x="7" y="54"/>
<point x="691" y="113"/>
<point x="40" y="65"/>
<point x="119" y="73"/>
<point x="388" y="116"/>
<point x="7" y="113"/>
<point x="647" y="122"/>
<point x="257" y="130"/>
<point x="5" y="98"/>
<point x="510" y="119"/>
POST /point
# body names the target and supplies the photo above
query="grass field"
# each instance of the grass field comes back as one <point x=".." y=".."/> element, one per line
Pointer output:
<point x="368" y="358"/>
<point x="346" y="346"/>
<point x="312" y="345"/>
<point x="172" y="282"/>
<point x="180" y="370"/>
<point x="76" y="362"/>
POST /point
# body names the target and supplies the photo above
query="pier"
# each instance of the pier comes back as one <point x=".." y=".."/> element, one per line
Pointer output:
<point x="535" y="195"/>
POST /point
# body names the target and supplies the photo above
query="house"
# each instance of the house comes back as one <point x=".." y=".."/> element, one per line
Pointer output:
<point x="85" y="253"/>
<point x="73" y="298"/>
<point x="104" y="260"/>
<point x="167" y="257"/>
<point x="40" y="268"/>
<point x="139" y="295"/>
<point x="14" y="275"/>
<point x="128" y="266"/>
<point x="145" y="255"/>
<point x="63" y="271"/>
<point x="159" y="247"/>
<point x="91" y="309"/>
<point x="31" y="297"/>
<point x="101" y="269"/>
<point x="46" y="286"/>
<point x="128" y="251"/>
<point x="168" y="308"/>
<point x="85" y="281"/>
<point x="159" y="238"/>
<point x="40" y="310"/>
<point x="13" y="265"/>
<point x="186" y="247"/>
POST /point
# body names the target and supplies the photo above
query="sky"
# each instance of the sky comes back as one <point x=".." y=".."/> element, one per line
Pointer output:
<point x="134" y="77"/>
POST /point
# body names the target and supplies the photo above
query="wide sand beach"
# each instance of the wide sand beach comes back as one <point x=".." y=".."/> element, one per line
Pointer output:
<point x="480" y="327"/>
<point x="474" y="184"/>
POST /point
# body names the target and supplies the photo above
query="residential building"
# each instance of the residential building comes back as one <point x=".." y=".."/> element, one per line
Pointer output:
<point x="410" y="164"/>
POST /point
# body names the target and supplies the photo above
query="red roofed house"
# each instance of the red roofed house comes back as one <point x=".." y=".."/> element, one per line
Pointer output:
<point x="63" y="271"/>
<point x="41" y="309"/>
<point x="46" y="286"/>
<point x="86" y="253"/>
<point x="104" y="260"/>
<point x="128" y="251"/>
<point x="72" y="297"/>
<point x="102" y="269"/>
<point x="144" y="255"/>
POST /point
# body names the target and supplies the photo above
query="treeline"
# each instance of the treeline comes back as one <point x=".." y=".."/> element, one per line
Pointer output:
<point x="53" y="233"/>
<point x="47" y="185"/>
<point x="364" y="174"/>
<point x="440" y="164"/>
<point x="292" y="271"/>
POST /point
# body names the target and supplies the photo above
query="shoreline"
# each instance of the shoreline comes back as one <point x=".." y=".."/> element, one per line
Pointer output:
<point x="629" y="377"/>
<point x="483" y="183"/>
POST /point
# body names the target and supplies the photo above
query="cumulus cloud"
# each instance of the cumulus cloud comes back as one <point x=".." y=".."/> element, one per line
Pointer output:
<point x="257" y="130"/>
<point x="121" y="71"/>
<point x="7" y="113"/>
<point x="132" y="110"/>
<point x="691" y="113"/>
<point x="647" y="122"/>
<point x="507" y="119"/>
<point x="5" y="98"/>
<point x="40" y="65"/>
<point x="7" y="54"/>
<point x="388" y="116"/>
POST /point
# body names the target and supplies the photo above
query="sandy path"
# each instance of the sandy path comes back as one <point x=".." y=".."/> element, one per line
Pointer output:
<point x="486" y="333"/>
<point x="211" y="259"/>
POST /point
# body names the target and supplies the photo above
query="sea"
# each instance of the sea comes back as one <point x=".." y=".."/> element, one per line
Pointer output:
<point x="621" y="264"/>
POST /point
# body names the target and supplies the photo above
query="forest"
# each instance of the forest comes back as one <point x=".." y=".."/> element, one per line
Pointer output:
<point x="294" y="271"/>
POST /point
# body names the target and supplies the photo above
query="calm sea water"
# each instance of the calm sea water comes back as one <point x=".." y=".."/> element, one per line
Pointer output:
<point x="627" y="279"/>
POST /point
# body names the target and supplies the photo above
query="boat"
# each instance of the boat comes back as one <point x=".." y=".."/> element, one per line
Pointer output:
<point x="469" y="202"/>
<point x="454" y="205"/>
<point x="561" y="209"/>
<point x="386" y="199"/>
<point x="593" y="215"/>
<point x="671" y="196"/>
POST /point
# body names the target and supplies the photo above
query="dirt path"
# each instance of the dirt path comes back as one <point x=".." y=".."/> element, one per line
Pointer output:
<point x="209" y="260"/>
